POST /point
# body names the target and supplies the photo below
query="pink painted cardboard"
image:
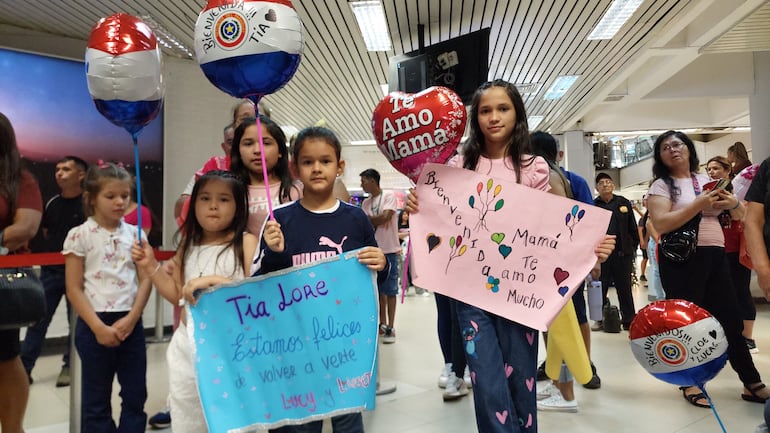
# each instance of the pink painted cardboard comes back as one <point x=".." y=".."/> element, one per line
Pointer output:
<point x="508" y="249"/>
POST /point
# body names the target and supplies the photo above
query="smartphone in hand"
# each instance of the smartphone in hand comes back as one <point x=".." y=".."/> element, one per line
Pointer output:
<point x="716" y="184"/>
<point x="722" y="183"/>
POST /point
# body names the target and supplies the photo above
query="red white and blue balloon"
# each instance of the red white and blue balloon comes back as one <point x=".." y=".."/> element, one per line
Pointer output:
<point x="248" y="49"/>
<point x="123" y="70"/>
<point x="678" y="342"/>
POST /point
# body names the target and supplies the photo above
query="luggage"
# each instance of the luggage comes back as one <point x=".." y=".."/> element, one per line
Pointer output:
<point x="595" y="307"/>
<point x="611" y="321"/>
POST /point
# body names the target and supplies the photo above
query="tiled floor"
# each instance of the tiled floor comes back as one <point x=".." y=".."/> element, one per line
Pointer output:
<point x="630" y="400"/>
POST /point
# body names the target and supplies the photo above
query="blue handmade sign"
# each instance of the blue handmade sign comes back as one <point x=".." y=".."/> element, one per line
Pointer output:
<point x="287" y="347"/>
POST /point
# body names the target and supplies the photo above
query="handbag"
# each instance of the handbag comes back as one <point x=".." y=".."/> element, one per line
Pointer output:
<point x="611" y="322"/>
<point x="679" y="245"/>
<point x="22" y="299"/>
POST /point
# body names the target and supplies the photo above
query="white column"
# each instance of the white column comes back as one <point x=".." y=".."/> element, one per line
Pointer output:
<point x="579" y="155"/>
<point x="759" y="106"/>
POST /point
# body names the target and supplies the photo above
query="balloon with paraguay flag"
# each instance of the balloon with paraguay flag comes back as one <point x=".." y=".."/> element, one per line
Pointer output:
<point x="678" y="342"/>
<point x="123" y="71"/>
<point x="248" y="49"/>
<point x="124" y="75"/>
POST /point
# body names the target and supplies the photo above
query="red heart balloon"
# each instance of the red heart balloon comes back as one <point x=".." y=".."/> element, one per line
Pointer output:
<point x="414" y="129"/>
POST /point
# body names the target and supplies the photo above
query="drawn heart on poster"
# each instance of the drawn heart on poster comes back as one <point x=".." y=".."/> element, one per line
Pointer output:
<point x="563" y="290"/>
<point x="505" y="250"/>
<point x="414" y="129"/>
<point x="433" y="241"/>
<point x="498" y="237"/>
<point x="560" y="275"/>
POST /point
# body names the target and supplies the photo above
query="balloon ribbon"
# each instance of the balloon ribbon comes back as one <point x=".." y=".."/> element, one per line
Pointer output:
<point x="264" y="168"/>
<point x="702" y="388"/>
<point x="138" y="189"/>
<point x="405" y="279"/>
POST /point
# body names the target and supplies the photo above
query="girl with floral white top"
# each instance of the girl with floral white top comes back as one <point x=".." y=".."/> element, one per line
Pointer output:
<point x="103" y="287"/>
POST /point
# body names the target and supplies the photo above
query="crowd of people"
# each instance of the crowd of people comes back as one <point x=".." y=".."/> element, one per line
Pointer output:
<point x="226" y="234"/>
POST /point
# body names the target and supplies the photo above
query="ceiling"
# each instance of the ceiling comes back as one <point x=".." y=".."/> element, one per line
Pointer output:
<point x="674" y="64"/>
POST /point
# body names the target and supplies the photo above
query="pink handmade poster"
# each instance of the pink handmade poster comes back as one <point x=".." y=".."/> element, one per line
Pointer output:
<point x="508" y="249"/>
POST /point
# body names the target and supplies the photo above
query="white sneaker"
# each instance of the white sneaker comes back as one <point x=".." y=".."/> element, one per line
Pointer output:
<point x="390" y="336"/>
<point x="762" y="428"/>
<point x="467" y="376"/>
<point x="557" y="403"/>
<point x="548" y="391"/>
<point x="455" y="389"/>
<point x="445" y="374"/>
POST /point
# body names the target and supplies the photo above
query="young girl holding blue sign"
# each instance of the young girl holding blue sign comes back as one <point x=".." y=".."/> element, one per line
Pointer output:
<point x="315" y="226"/>
<point x="214" y="249"/>
<point x="102" y="286"/>
<point x="503" y="362"/>
<point x="246" y="163"/>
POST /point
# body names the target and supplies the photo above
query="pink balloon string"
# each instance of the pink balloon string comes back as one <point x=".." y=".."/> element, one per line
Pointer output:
<point x="264" y="169"/>
<point x="405" y="278"/>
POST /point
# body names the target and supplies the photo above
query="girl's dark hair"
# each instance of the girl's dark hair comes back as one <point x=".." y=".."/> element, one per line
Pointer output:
<point x="281" y="168"/>
<point x="519" y="144"/>
<point x="10" y="163"/>
<point x="545" y="145"/>
<point x="320" y="132"/>
<point x="660" y="171"/>
<point x="741" y="156"/>
<point x="191" y="232"/>
<point x="96" y="175"/>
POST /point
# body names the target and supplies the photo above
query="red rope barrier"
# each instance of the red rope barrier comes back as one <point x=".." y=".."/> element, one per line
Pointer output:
<point x="46" y="259"/>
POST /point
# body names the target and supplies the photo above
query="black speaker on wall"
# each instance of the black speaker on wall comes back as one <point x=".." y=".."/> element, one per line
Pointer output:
<point x="460" y="63"/>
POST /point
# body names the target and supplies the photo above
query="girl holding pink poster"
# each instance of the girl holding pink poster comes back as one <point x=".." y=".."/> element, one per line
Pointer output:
<point x="501" y="354"/>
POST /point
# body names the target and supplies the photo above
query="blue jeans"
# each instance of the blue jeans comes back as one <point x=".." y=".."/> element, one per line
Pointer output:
<point x="654" y="286"/>
<point x="348" y="423"/>
<point x="388" y="285"/>
<point x="502" y="356"/>
<point x="55" y="289"/>
<point x="100" y="364"/>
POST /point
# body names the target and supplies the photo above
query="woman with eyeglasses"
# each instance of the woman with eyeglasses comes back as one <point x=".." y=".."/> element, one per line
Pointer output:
<point x="675" y="197"/>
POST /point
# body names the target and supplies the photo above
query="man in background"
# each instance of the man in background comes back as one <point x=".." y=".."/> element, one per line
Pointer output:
<point x="618" y="269"/>
<point x="381" y="209"/>
<point x="62" y="212"/>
